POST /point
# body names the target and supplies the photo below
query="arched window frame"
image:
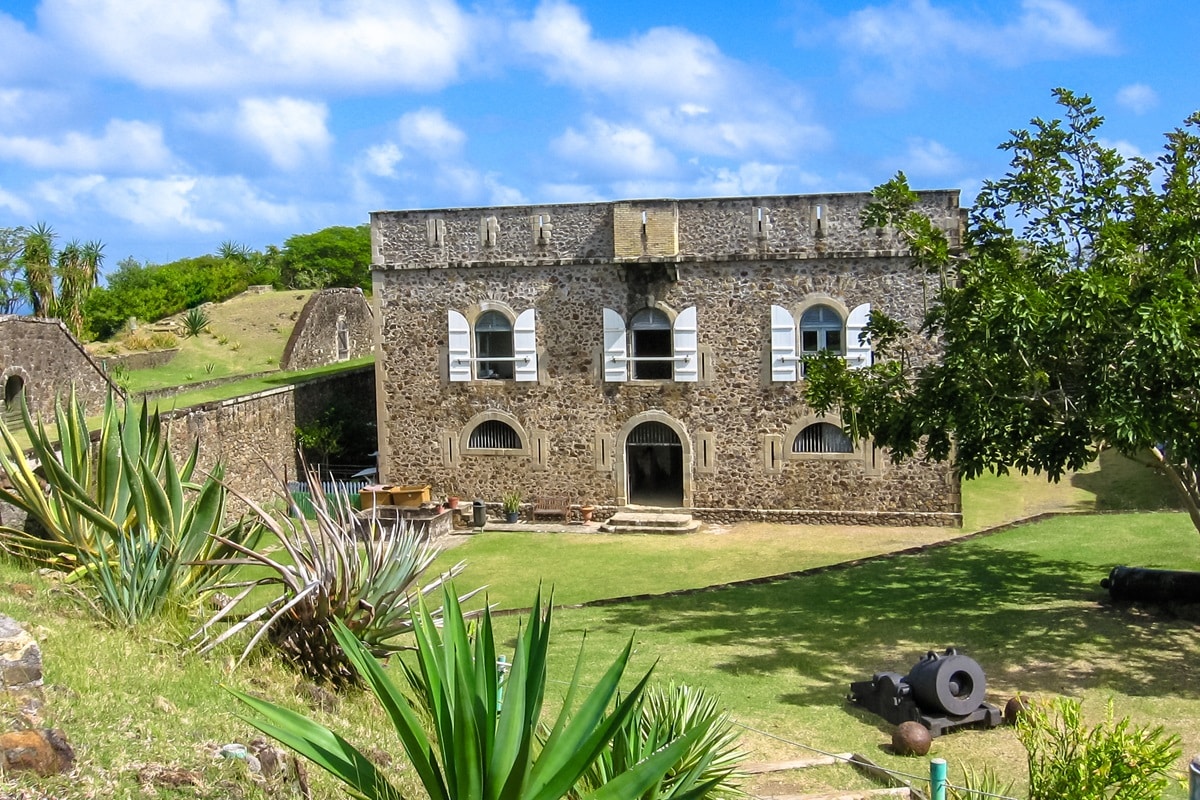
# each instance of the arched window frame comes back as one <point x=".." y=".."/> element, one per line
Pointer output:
<point x="621" y="346"/>
<point x="794" y="431"/>
<point x="467" y="363"/>
<point x="494" y="416"/>
<point x="787" y="336"/>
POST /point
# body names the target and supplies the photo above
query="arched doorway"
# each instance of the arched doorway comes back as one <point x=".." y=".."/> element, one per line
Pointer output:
<point x="14" y="390"/>
<point x="654" y="466"/>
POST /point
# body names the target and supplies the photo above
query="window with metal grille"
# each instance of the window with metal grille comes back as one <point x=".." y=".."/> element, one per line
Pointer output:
<point x="650" y="343"/>
<point x="494" y="435"/>
<point x="822" y="437"/>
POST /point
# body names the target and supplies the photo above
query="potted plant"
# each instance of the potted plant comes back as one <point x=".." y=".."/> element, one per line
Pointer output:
<point x="511" y="503"/>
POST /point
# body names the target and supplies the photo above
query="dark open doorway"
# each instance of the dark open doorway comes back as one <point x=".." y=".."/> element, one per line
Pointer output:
<point x="654" y="466"/>
<point x="14" y="390"/>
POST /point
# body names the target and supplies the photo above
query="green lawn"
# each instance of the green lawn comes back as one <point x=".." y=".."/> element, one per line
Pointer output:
<point x="1024" y="602"/>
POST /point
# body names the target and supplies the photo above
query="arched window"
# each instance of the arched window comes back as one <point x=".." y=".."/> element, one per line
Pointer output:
<point x="499" y="345"/>
<point x="494" y="346"/>
<point x="494" y="435"/>
<point x="822" y="437"/>
<point x="343" y="340"/>
<point x="821" y="329"/>
<point x="650" y="344"/>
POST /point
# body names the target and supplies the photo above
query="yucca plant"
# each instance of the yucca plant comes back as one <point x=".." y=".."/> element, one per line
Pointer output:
<point x="363" y="573"/>
<point x="118" y="514"/>
<point x="480" y="748"/>
<point x="664" y="715"/>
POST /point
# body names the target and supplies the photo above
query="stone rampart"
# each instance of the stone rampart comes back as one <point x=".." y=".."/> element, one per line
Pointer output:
<point x="334" y="325"/>
<point x="42" y="356"/>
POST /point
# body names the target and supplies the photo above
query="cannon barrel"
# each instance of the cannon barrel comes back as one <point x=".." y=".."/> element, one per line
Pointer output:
<point x="1142" y="585"/>
<point x="950" y="683"/>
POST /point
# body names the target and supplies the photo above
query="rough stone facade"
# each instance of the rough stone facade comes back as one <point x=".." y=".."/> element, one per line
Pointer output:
<point x="42" y="357"/>
<point x="254" y="436"/>
<point x="728" y="261"/>
<point x="334" y="325"/>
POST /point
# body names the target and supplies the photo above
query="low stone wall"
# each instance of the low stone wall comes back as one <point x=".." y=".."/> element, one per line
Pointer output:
<point x="254" y="436"/>
<point x="146" y="360"/>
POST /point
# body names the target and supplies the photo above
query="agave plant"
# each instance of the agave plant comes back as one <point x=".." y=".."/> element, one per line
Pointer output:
<point x="663" y="715"/>
<point x="339" y="568"/>
<point x="194" y="321"/>
<point x="482" y="749"/>
<point x="118" y="514"/>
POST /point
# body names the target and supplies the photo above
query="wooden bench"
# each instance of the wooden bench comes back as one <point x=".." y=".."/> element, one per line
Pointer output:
<point x="552" y="506"/>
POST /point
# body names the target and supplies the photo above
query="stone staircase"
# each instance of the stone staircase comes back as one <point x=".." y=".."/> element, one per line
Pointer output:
<point x="643" y="520"/>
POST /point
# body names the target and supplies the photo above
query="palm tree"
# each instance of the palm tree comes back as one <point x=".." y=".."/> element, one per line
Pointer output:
<point x="37" y="257"/>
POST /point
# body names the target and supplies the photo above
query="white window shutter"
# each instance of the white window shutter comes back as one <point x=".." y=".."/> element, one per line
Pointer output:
<point x="857" y="355"/>
<point x="525" y="346"/>
<point x="460" y="347"/>
<point x="687" y="358"/>
<point x="783" y="345"/>
<point x="616" y="348"/>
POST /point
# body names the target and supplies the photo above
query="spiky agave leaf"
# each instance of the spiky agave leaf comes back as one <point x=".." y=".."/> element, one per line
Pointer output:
<point x="364" y="573"/>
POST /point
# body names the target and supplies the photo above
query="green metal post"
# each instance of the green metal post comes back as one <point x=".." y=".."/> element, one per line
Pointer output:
<point x="501" y="674"/>
<point x="937" y="779"/>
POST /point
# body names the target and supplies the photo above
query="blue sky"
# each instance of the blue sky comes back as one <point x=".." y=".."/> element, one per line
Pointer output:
<point x="166" y="128"/>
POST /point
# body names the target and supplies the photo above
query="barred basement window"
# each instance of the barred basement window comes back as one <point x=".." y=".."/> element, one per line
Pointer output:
<point x="494" y="435"/>
<point x="822" y="437"/>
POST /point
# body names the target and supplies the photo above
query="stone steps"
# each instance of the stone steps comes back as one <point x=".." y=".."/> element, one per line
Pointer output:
<point x="649" y="521"/>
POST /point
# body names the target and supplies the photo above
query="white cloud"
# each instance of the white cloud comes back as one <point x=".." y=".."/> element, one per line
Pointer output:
<point x="381" y="160"/>
<point x="1137" y="97"/>
<point x="752" y="178"/>
<point x="899" y="47"/>
<point x="16" y="205"/>
<point x="24" y="53"/>
<point x="127" y="145"/>
<point x="428" y="132"/>
<point x="290" y="132"/>
<point x="927" y="158"/>
<point x="671" y="83"/>
<point x="621" y="149"/>
<point x="205" y="204"/>
<point x="228" y="44"/>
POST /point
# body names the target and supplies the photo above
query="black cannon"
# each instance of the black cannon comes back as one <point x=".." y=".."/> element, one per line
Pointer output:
<point x="941" y="692"/>
<point x="1160" y="586"/>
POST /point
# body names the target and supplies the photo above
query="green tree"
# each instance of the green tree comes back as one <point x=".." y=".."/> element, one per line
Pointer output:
<point x="37" y="261"/>
<point x="1070" y="320"/>
<point x="338" y="256"/>
<point x="12" y="282"/>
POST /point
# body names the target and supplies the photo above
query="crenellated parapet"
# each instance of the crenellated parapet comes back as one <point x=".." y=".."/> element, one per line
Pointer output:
<point x="719" y="229"/>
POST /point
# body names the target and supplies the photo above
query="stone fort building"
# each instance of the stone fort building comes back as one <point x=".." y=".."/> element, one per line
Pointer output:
<point x="645" y="352"/>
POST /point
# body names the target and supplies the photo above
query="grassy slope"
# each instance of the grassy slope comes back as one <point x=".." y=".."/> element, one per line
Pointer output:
<point x="246" y="334"/>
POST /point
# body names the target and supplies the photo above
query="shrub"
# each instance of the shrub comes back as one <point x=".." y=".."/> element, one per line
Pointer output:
<point x="1112" y="761"/>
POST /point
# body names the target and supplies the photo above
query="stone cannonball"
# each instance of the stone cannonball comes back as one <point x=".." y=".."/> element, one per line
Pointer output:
<point x="911" y="739"/>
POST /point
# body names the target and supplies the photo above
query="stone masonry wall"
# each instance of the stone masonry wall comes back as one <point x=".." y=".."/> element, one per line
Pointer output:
<point x="44" y="354"/>
<point x="254" y="435"/>
<point x="314" y="339"/>
<point x="732" y="263"/>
